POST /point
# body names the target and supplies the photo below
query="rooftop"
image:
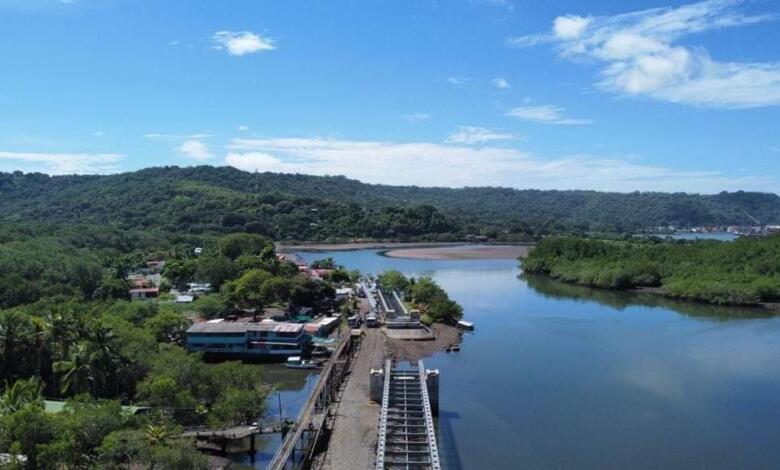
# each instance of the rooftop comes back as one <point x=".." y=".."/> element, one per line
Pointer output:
<point x="241" y="327"/>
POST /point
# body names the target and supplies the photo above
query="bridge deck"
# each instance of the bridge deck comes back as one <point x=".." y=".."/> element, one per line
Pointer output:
<point x="407" y="439"/>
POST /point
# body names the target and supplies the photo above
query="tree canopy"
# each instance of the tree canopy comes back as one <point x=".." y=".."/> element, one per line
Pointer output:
<point x="745" y="271"/>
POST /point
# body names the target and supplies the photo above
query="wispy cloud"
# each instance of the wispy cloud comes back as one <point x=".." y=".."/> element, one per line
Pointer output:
<point x="470" y="135"/>
<point x="416" y="118"/>
<point x="174" y="137"/>
<point x="238" y="43"/>
<point x="499" y="3"/>
<point x="547" y="114"/>
<point x="453" y="165"/>
<point x="502" y="83"/>
<point x="242" y="128"/>
<point x="641" y="55"/>
<point x="61" y="163"/>
<point x="195" y="150"/>
<point x="458" y="81"/>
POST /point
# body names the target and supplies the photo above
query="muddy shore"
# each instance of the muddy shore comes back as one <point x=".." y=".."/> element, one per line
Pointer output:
<point x="461" y="252"/>
<point x="402" y="350"/>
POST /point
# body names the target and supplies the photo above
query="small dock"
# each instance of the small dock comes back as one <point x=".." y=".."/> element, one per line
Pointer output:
<point x="219" y="439"/>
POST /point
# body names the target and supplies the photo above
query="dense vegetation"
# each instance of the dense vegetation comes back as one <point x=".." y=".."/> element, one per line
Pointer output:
<point x="68" y="332"/>
<point x="746" y="271"/>
<point x="205" y="200"/>
<point x="423" y="294"/>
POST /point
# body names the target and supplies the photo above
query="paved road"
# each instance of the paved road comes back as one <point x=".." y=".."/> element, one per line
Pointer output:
<point x="353" y="442"/>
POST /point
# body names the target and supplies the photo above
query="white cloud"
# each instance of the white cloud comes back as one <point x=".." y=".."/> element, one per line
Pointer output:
<point x="502" y="83"/>
<point x="570" y="27"/>
<point x="452" y="165"/>
<point x="641" y="55"/>
<point x="98" y="134"/>
<point x="238" y="43"/>
<point x="547" y="114"/>
<point x="458" y="81"/>
<point x="60" y="163"/>
<point x="242" y="128"/>
<point x="471" y="135"/>
<point x="416" y="118"/>
<point x="195" y="150"/>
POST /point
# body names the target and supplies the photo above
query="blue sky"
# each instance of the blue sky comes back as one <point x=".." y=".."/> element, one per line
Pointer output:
<point x="621" y="96"/>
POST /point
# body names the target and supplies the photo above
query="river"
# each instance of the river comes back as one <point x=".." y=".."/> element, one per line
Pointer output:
<point x="559" y="376"/>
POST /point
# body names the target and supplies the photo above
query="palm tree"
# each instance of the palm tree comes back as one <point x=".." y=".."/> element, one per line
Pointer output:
<point x="16" y="337"/>
<point x="78" y="371"/>
<point x="158" y="434"/>
<point x="23" y="393"/>
<point x="90" y="362"/>
<point x="62" y="329"/>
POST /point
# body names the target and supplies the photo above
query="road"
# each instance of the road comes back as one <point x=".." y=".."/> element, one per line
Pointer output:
<point x="353" y="441"/>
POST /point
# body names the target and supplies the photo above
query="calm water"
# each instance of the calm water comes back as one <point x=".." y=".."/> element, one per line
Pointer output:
<point x="565" y="377"/>
<point x="720" y="236"/>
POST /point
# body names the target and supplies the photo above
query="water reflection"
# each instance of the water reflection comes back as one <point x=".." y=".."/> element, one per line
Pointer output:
<point x="620" y="300"/>
<point x="561" y="376"/>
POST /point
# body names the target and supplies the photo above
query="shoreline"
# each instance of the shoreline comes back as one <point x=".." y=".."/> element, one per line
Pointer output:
<point x="388" y="246"/>
<point x="422" y="250"/>
<point x="772" y="308"/>
<point x="462" y="252"/>
<point x="760" y="306"/>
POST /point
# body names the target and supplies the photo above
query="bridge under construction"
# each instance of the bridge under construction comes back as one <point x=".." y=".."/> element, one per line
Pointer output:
<point x="407" y="436"/>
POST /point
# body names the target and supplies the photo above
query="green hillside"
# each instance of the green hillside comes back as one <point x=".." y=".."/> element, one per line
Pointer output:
<point x="202" y="200"/>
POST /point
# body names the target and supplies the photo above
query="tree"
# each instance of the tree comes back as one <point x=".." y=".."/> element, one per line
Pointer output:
<point x="250" y="290"/>
<point x="444" y="310"/>
<point x="393" y="280"/>
<point x="309" y="292"/>
<point x="238" y="244"/>
<point x="124" y="447"/>
<point x="237" y="406"/>
<point x="325" y="263"/>
<point x="90" y="362"/>
<point x="167" y="326"/>
<point x="424" y="290"/>
<point x="210" y="306"/>
<point x="29" y="428"/>
<point x="112" y="288"/>
<point x="23" y="393"/>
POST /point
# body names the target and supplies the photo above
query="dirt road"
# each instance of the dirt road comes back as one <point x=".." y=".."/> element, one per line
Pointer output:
<point x="353" y="441"/>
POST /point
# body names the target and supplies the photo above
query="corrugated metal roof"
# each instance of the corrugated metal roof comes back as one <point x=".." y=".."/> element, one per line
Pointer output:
<point x="241" y="327"/>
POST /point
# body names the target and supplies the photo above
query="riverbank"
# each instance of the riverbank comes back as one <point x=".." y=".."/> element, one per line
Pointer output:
<point x="773" y="307"/>
<point x="354" y="246"/>
<point x="444" y="336"/>
<point x="461" y="252"/>
<point x="420" y="250"/>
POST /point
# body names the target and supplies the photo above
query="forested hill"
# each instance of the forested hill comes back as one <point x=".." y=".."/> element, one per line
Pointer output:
<point x="207" y="199"/>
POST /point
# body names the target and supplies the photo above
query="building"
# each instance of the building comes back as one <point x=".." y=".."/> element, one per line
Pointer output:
<point x="199" y="287"/>
<point x="322" y="328"/>
<point x="343" y="293"/>
<point x="265" y="339"/>
<point x="141" y="293"/>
